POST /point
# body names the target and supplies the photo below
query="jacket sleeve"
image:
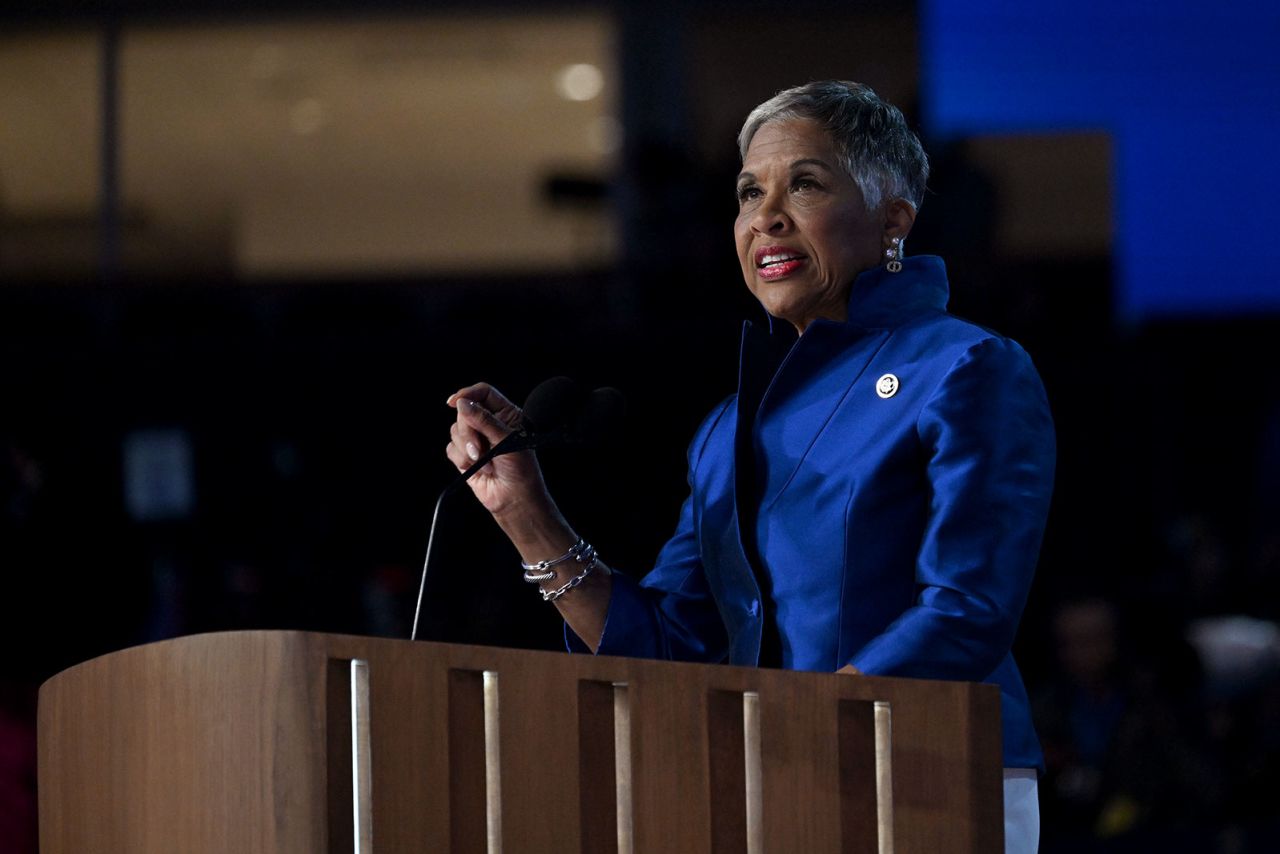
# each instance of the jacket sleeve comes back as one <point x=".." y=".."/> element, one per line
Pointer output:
<point x="670" y="614"/>
<point x="988" y="438"/>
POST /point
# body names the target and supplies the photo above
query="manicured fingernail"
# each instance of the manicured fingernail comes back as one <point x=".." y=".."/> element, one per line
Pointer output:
<point x="472" y="451"/>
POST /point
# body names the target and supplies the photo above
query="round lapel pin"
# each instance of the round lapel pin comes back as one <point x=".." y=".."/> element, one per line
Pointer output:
<point x="887" y="386"/>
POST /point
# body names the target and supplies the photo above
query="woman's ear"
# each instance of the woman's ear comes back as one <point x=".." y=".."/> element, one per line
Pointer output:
<point x="899" y="216"/>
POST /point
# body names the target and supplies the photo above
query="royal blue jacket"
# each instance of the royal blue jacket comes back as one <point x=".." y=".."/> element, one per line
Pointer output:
<point x="900" y="469"/>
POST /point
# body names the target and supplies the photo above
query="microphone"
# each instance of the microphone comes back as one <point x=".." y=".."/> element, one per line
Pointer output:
<point x="547" y="412"/>
<point x="557" y="412"/>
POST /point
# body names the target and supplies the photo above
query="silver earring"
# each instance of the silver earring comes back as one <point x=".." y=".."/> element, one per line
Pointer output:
<point x="894" y="254"/>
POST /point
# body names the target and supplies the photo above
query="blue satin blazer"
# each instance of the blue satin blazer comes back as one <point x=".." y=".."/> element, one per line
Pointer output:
<point x="897" y="522"/>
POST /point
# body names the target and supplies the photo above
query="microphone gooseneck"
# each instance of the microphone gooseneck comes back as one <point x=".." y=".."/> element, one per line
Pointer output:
<point x="422" y="584"/>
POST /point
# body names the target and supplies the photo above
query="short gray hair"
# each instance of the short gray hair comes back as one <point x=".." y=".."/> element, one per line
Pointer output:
<point x="876" y="147"/>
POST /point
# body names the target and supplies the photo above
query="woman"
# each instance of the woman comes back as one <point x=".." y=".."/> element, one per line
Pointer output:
<point x="874" y="494"/>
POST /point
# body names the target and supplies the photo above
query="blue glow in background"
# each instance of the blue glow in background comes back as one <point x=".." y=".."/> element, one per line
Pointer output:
<point x="1188" y="92"/>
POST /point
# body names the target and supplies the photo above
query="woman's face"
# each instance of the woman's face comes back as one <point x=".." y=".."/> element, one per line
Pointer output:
<point x="803" y="231"/>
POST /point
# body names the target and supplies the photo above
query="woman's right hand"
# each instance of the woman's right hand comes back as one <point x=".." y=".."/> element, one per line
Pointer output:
<point x="484" y="418"/>
<point x="511" y="488"/>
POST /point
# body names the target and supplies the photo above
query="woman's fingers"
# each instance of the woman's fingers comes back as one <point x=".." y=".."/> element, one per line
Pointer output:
<point x="469" y="442"/>
<point x="490" y="399"/>
<point x="477" y="427"/>
<point x="476" y="422"/>
<point x="482" y="393"/>
<point x="465" y="443"/>
<point x="483" y="419"/>
<point x="457" y="457"/>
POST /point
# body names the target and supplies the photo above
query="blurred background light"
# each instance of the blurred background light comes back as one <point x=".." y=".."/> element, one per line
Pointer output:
<point x="581" y="81"/>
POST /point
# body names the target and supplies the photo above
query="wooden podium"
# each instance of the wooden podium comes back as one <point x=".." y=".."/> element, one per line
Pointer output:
<point x="283" y="742"/>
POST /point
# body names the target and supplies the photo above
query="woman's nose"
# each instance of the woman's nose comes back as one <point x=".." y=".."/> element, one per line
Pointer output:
<point x="771" y="218"/>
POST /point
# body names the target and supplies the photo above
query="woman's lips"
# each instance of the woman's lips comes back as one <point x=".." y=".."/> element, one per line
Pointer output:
<point x="775" y="262"/>
<point x="780" y="270"/>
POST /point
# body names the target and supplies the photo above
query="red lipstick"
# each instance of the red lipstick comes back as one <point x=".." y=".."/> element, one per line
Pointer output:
<point x="778" y="262"/>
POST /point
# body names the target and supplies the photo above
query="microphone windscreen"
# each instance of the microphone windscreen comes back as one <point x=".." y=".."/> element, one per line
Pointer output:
<point x="552" y="404"/>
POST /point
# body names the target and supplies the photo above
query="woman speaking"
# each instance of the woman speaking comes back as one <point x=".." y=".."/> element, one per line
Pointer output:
<point x="875" y="492"/>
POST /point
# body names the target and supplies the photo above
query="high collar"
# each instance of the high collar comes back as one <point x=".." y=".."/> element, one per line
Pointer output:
<point x="883" y="300"/>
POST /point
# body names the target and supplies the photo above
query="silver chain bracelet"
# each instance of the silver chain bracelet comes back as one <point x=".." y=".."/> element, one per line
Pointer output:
<point x="553" y="595"/>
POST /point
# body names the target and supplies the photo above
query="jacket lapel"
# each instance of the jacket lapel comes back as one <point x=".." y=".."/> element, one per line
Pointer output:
<point x="808" y="389"/>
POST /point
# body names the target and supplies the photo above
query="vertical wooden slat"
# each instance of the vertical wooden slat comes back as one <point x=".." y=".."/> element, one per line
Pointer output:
<point x="727" y="772"/>
<point x="856" y="734"/>
<point x="934" y="749"/>
<point x="622" y="777"/>
<point x="468" y="815"/>
<point x="981" y="762"/>
<point x="669" y="762"/>
<point x="361" y="759"/>
<point x="597" y="767"/>
<point x="884" y="776"/>
<point x="409" y="741"/>
<point x="540" y="759"/>
<point x="799" y="727"/>
<point x="752" y="741"/>
<point x="338" y="767"/>
<point x="492" y="762"/>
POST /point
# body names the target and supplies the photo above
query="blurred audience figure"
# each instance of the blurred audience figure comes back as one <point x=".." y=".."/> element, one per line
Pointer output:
<point x="17" y="769"/>
<point x="1121" y="725"/>
<point x="1242" y="680"/>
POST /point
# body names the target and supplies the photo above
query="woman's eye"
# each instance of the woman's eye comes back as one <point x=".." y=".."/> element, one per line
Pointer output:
<point x="804" y="184"/>
<point x="747" y="193"/>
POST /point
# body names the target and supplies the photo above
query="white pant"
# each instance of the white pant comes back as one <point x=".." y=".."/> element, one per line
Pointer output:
<point x="1021" y="811"/>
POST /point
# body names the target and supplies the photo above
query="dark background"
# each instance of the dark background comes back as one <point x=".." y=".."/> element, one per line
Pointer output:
<point x="315" y="415"/>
